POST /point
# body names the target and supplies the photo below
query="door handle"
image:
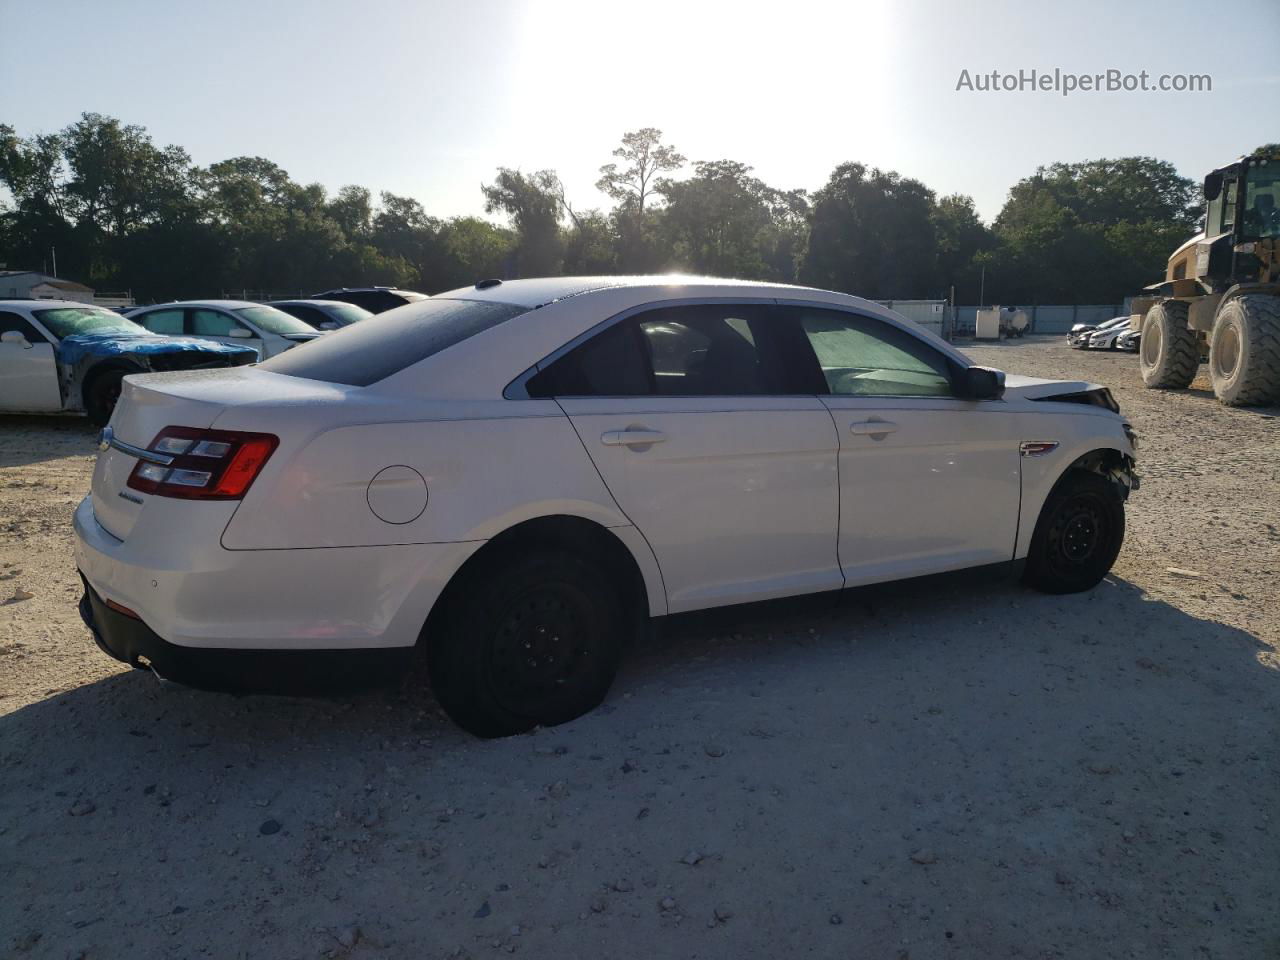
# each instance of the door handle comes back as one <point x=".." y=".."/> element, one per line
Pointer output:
<point x="873" y="428"/>
<point x="631" y="437"/>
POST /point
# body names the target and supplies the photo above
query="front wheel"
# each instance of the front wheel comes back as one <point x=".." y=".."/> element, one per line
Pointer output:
<point x="1170" y="352"/>
<point x="529" y="641"/>
<point x="101" y="395"/>
<point x="1078" y="535"/>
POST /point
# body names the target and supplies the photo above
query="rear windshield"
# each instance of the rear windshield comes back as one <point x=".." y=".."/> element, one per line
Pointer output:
<point x="374" y="349"/>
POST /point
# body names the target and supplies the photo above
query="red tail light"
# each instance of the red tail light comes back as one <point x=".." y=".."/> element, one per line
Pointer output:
<point x="203" y="464"/>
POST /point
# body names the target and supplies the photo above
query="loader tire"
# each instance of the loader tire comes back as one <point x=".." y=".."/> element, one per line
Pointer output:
<point x="1170" y="351"/>
<point x="1244" y="352"/>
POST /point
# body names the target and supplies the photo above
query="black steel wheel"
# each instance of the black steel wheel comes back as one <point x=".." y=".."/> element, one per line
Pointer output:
<point x="1078" y="535"/>
<point x="529" y="641"/>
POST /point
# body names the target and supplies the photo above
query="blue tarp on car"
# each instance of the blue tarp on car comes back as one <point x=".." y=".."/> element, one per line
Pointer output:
<point x="72" y="349"/>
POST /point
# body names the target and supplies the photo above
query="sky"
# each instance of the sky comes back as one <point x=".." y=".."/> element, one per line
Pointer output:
<point x="426" y="98"/>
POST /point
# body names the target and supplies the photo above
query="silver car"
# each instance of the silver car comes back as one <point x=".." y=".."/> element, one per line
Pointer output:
<point x="266" y="329"/>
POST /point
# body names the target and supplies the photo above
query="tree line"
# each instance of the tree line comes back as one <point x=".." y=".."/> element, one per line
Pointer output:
<point x="124" y="213"/>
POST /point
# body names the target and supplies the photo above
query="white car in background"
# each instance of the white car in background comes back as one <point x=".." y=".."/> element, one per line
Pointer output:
<point x="266" y="329"/>
<point x="322" y="314"/>
<point x="509" y="478"/>
<point x="1081" y="333"/>
<point x="1107" y="336"/>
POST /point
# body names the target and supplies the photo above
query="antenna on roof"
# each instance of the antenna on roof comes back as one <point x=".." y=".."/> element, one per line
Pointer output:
<point x="486" y="284"/>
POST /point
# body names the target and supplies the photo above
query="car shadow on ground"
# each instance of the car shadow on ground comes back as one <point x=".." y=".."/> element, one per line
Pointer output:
<point x="961" y="757"/>
<point x="33" y="439"/>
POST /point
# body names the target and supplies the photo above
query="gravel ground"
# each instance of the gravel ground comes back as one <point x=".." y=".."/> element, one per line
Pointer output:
<point x="964" y="769"/>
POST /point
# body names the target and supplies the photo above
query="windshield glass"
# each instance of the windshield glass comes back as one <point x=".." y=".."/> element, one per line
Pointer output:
<point x="347" y="312"/>
<point x="274" y="321"/>
<point x="68" y="321"/>
<point x="374" y="349"/>
<point x="1262" y="201"/>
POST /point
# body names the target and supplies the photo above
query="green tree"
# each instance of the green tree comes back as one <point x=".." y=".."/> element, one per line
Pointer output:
<point x="872" y="234"/>
<point x="533" y="203"/>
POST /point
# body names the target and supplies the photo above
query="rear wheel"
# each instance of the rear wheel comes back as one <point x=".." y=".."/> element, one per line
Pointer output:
<point x="1244" y="352"/>
<point x="533" y="640"/>
<point x="1170" y="351"/>
<point x="1078" y="535"/>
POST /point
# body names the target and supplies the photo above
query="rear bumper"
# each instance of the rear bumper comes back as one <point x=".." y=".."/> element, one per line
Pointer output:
<point x="131" y="641"/>
<point x="197" y="594"/>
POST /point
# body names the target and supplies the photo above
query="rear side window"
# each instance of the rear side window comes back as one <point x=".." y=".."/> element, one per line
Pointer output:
<point x="703" y="350"/>
<point x="374" y="349"/>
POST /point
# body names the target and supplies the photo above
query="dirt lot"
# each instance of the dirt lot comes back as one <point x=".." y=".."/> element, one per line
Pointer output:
<point x="964" y="770"/>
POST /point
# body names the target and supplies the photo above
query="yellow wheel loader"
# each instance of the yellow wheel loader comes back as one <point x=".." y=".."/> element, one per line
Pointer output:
<point x="1221" y="293"/>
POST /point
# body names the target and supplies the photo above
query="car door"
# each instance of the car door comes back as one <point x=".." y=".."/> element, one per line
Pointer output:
<point x="28" y="367"/>
<point x="211" y="324"/>
<point x="687" y="413"/>
<point x="929" y="482"/>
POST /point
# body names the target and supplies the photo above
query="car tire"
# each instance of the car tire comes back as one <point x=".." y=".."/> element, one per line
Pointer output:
<point x="101" y="393"/>
<point x="1077" y="536"/>
<point x="1170" y="352"/>
<point x="1244" y="352"/>
<point x="532" y="640"/>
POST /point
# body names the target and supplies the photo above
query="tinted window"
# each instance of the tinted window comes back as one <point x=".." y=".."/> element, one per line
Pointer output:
<point x="704" y="350"/>
<point x="212" y="323"/>
<point x="14" y="322"/>
<point x="864" y="357"/>
<point x="374" y="349"/>
<point x="163" y="321"/>
<point x="308" y="315"/>
<point x="610" y="364"/>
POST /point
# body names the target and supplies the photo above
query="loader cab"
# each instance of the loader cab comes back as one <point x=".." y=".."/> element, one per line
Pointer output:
<point x="1242" y="222"/>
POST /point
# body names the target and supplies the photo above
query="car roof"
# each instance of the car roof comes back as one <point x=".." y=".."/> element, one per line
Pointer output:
<point x="225" y="304"/>
<point x="312" y="302"/>
<point x="543" y="290"/>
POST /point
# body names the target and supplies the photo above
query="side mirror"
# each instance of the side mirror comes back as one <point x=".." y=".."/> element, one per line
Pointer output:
<point x="980" y="383"/>
<point x="1212" y="187"/>
<point x="240" y="333"/>
<point x="14" y="336"/>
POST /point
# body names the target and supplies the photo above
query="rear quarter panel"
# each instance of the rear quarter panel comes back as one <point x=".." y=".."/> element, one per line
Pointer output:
<point x="483" y="474"/>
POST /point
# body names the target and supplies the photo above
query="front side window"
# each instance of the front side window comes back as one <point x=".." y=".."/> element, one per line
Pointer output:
<point x="15" y="323"/>
<point x="272" y="320"/>
<point x="702" y="350"/>
<point x="169" y="322"/>
<point x="864" y="357"/>
<point x="212" y="323"/>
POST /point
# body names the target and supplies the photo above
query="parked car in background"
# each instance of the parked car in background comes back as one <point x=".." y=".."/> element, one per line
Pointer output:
<point x="1079" y="335"/>
<point x="322" y="314"/>
<point x="373" y="299"/>
<point x="267" y="330"/>
<point x="61" y="356"/>
<point x="1106" y="336"/>
<point x="1129" y="341"/>
<point x="512" y="498"/>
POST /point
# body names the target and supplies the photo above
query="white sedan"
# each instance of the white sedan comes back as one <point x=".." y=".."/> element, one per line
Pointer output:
<point x="509" y="478"/>
<point x="266" y="329"/>
<point x="1107" y="336"/>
